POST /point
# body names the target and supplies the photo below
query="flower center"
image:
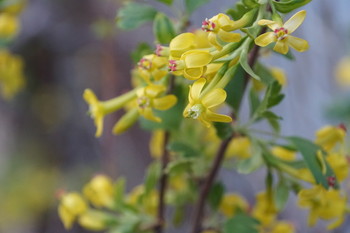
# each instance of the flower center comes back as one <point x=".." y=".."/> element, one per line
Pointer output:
<point x="195" y="111"/>
<point x="281" y="33"/>
<point x="143" y="102"/>
<point x="144" y="64"/>
<point x="208" y="26"/>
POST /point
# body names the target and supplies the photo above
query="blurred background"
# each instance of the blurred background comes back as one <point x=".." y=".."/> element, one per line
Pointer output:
<point x="47" y="139"/>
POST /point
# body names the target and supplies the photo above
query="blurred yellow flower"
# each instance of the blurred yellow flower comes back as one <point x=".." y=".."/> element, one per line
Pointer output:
<point x="342" y="72"/>
<point x="149" y="97"/>
<point x="100" y="191"/>
<point x="283" y="153"/>
<point x="231" y="203"/>
<point x="328" y="136"/>
<point x="93" y="220"/>
<point x="323" y="204"/>
<point x="152" y="67"/>
<point x="148" y="203"/>
<point x="281" y="34"/>
<point x="239" y="147"/>
<point x="279" y="75"/>
<point x="157" y="143"/>
<point x="71" y="206"/>
<point x="200" y="107"/>
<point x="9" y="25"/>
<point x="283" y="227"/>
<point x="339" y="164"/>
<point x="264" y="210"/>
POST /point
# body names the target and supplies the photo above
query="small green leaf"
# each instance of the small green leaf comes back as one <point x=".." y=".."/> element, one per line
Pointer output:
<point x="152" y="176"/>
<point x="215" y="195"/>
<point x="243" y="60"/>
<point x="309" y="152"/>
<point x="192" y="5"/>
<point x="274" y="123"/>
<point x="179" y="166"/>
<point x="281" y="195"/>
<point x="141" y="50"/>
<point x="237" y="11"/>
<point x="254" y="101"/>
<point x="235" y="89"/>
<point x="241" y="223"/>
<point x="286" y="6"/>
<point x="253" y="163"/>
<point x="132" y="15"/>
<point x="265" y="74"/>
<point x="167" y="2"/>
<point x="185" y="149"/>
<point x="163" y="29"/>
<point x="223" y="130"/>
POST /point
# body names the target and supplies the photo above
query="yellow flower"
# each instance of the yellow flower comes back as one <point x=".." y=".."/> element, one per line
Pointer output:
<point x="15" y="7"/>
<point x="339" y="164"/>
<point x="9" y="25"/>
<point x="181" y="44"/>
<point x="151" y="67"/>
<point x="100" y="191"/>
<point x="240" y="147"/>
<point x="264" y="209"/>
<point x="98" y="109"/>
<point x="283" y="227"/>
<point x="219" y="28"/>
<point x="200" y="107"/>
<point x="149" y="97"/>
<point x="11" y="74"/>
<point x="231" y="203"/>
<point x="283" y="153"/>
<point x="281" y="34"/>
<point x="342" y="72"/>
<point x="157" y="144"/>
<point x="126" y="121"/>
<point x="147" y="203"/>
<point x="71" y="206"/>
<point x="329" y="136"/>
<point x="323" y="204"/>
<point x="279" y="75"/>
<point x="192" y="64"/>
<point x="93" y="220"/>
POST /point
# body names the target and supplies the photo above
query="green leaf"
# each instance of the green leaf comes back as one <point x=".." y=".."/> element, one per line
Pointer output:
<point x="171" y="118"/>
<point x="152" y="176"/>
<point x="281" y="195"/>
<point x="179" y="166"/>
<point x="254" y="101"/>
<point x="132" y="15"/>
<point x="286" y="6"/>
<point x="270" y="115"/>
<point x="309" y="152"/>
<point x="215" y="195"/>
<point x="223" y="130"/>
<point x="119" y="191"/>
<point x="167" y="2"/>
<point x="178" y="216"/>
<point x="274" y="124"/>
<point x="264" y="73"/>
<point x="163" y="29"/>
<point x="243" y="60"/>
<point x="141" y="50"/>
<point x="241" y="223"/>
<point x="185" y="149"/>
<point x="237" y="11"/>
<point x="235" y="89"/>
<point x="192" y="5"/>
<point x="253" y="163"/>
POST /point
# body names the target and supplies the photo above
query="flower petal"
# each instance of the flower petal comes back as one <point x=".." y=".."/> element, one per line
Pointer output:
<point x="214" y="98"/>
<point x="181" y="44"/>
<point x="212" y="116"/>
<point x="229" y="36"/>
<point x="148" y="114"/>
<point x="294" y="22"/>
<point x="153" y="91"/>
<point x="271" y="24"/>
<point x="281" y="47"/>
<point x="194" y="73"/>
<point x="196" y="58"/>
<point x="196" y="88"/>
<point x="298" y="44"/>
<point x="165" y="102"/>
<point x="213" y="40"/>
<point x="265" y="39"/>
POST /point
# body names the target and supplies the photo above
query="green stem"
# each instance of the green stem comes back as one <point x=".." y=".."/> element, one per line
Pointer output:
<point x="117" y="103"/>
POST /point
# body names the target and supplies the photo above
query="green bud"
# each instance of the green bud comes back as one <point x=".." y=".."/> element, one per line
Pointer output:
<point x="163" y="29"/>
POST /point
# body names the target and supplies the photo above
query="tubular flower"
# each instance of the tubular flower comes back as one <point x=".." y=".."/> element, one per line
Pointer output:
<point x="71" y="206"/>
<point x="323" y="204"/>
<point x="329" y="136"/>
<point x="100" y="191"/>
<point x="192" y="64"/>
<point x="264" y="209"/>
<point x="233" y="203"/>
<point x="149" y="97"/>
<point x="98" y="109"/>
<point x="150" y="67"/>
<point x="281" y="34"/>
<point x="199" y="106"/>
<point x="219" y="28"/>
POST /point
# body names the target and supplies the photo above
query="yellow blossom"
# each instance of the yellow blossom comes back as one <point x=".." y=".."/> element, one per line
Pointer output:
<point x="148" y="203"/>
<point x="192" y="64"/>
<point x="264" y="210"/>
<point x="200" y="107"/>
<point x="71" y="206"/>
<point x="181" y="44"/>
<point x="239" y="147"/>
<point x="100" y="191"/>
<point x="283" y="227"/>
<point x="283" y="153"/>
<point x="152" y="67"/>
<point x="9" y="25"/>
<point x="93" y="220"/>
<point x="126" y="121"/>
<point x="157" y="143"/>
<point x="149" y="97"/>
<point x="339" y="164"/>
<point x="99" y="109"/>
<point x="342" y="72"/>
<point x="231" y="203"/>
<point x="279" y="75"/>
<point x="323" y="204"/>
<point x="329" y="136"/>
<point x="281" y="34"/>
<point x="219" y="28"/>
